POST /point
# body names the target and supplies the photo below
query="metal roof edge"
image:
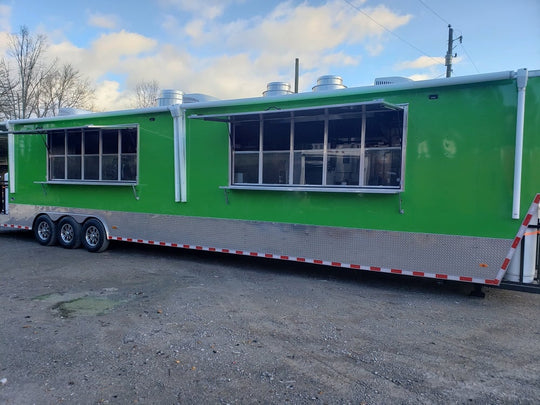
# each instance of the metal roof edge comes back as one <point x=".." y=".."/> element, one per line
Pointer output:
<point x="89" y="115"/>
<point x="451" y="81"/>
<point x="420" y="84"/>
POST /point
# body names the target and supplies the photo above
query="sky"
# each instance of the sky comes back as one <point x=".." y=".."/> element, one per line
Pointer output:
<point x="232" y="48"/>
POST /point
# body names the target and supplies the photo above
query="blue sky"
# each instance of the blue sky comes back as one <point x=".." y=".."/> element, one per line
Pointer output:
<point x="233" y="48"/>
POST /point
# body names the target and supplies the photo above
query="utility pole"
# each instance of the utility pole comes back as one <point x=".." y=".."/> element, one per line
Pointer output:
<point x="449" y="52"/>
<point x="296" y="70"/>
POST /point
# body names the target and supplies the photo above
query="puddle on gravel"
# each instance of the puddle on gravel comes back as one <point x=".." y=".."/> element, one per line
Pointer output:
<point x="57" y="297"/>
<point x="85" y="306"/>
<point x="69" y="305"/>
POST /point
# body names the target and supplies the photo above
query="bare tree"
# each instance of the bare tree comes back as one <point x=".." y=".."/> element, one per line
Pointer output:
<point x="64" y="88"/>
<point x="146" y="94"/>
<point x="35" y="87"/>
<point x="6" y="88"/>
<point x="27" y="51"/>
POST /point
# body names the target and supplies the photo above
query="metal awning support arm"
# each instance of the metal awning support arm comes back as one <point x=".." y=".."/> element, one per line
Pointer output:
<point x="521" y="81"/>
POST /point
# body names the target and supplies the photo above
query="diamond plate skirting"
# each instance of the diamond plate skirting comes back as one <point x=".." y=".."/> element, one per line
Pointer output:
<point x="458" y="257"/>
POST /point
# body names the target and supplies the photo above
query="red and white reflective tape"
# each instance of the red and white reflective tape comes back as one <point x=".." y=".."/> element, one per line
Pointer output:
<point x="308" y="260"/>
<point x="13" y="226"/>
<point x="518" y="238"/>
<point x="496" y="281"/>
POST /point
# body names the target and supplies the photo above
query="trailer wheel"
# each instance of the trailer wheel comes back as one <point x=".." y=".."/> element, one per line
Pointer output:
<point x="69" y="233"/>
<point x="94" y="237"/>
<point x="45" y="230"/>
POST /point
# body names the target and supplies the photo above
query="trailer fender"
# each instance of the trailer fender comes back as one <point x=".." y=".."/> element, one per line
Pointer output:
<point x="80" y="218"/>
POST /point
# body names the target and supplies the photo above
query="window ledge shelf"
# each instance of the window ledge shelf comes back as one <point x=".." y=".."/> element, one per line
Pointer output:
<point x="88" y="183"/>
<point x="356" y="190"/>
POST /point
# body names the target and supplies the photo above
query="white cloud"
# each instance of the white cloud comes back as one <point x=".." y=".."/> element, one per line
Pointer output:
<point x="306" y="27"/>
<point x="107" y="21"/>
<point x="195" y="28"/>
<point x="417" y="77"/>
<point x="5" y="27"/>
<point x="170" y="23"/>
<point x="315" y="34"/>
<point x="5" y="15"/>
<point x="233" y="59"/>
<point x="209" y="9"/>
<point x="122" y="43"/>
<point x="110" y="54"/>
<point x="421" y="63"/>
<point x="426" y="67"/>
<point x="374" y="48"/>
<point x="109" y="97"/>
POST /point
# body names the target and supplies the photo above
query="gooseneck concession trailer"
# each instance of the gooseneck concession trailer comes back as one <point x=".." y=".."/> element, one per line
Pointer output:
<point x="435" y="178"/>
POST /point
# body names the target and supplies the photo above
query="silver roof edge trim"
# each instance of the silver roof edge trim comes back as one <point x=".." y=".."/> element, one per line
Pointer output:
<point x="451" y="81"/>
<point x="371" y="89"/>
<point x="43" y="131"/>
<point x="106" y="114"/>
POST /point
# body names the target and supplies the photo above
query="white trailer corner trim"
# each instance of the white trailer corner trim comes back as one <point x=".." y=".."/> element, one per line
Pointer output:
<point x="521" y="81"/>
<point x="11" y="158"/>
<point x="179" y="124"/>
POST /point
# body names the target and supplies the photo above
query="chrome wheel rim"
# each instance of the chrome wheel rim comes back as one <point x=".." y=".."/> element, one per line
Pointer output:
<point x="92" y="236"/>
<point x="44" y="230"/>
<point x="67" y="233"/>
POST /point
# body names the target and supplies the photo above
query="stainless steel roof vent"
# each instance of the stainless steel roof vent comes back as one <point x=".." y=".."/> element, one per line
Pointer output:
<point x="170" y="97"/>
<point x="197" y="97"/>
<point x="329" y="82"/>
<point x="391" y="80"/>
<point x="66" y="111"/>
<point x="277" y="89"/>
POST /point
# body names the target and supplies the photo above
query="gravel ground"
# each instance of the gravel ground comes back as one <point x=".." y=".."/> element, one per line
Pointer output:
<point x="150" y="325"/>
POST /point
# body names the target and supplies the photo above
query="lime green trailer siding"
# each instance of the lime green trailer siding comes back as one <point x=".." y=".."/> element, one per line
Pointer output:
<point x="458" y="168"/>
<point x="458" y="175"/>
<point x="449" y="212"/>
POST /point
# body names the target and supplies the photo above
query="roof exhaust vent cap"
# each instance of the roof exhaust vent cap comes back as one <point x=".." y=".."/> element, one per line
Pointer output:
<point x="277" y="89"/>
<point x="329" y="82"/>
<point x="170" y="97"/>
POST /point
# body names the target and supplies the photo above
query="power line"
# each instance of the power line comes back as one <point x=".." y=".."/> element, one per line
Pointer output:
<point x="467" y="53"/>
<point x="469" y="57"/>
<point x="446" y="22"/>
<point x="392" y="32"/>
<point x="434" y="12"/>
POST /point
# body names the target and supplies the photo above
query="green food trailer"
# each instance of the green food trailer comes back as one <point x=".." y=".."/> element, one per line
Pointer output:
<point x="436" y="178"/>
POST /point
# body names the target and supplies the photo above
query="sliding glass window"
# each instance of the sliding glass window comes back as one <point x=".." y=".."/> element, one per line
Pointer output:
<point x="341" y="148"/>
<point x="93" y="154"/>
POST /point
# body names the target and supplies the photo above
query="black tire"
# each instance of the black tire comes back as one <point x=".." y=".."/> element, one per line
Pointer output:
<point x="94" y="237"/>
<point x="69" y="233"/>
<point x="45" y="230"/>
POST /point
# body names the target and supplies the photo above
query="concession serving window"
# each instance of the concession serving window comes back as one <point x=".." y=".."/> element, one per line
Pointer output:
<point x="355" y="147"/>
<point x="105" y="155"/>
